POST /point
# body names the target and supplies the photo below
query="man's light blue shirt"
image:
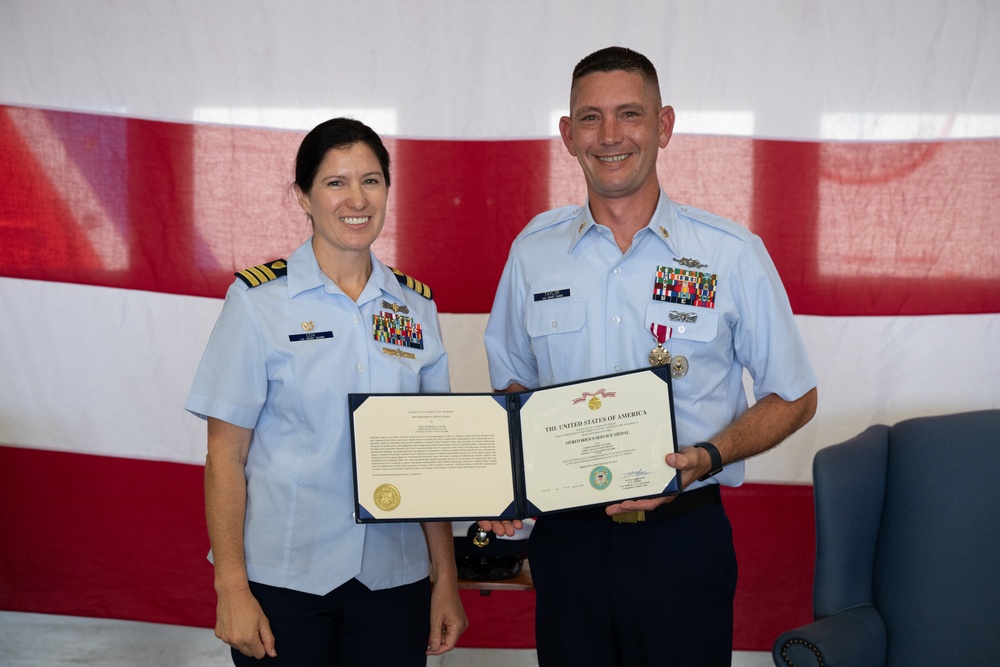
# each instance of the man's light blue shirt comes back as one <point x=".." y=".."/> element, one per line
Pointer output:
<point x="570" y="305"/>
<point x="281" y="360"/>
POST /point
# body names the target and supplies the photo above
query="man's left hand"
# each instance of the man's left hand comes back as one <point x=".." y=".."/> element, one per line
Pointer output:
<point x="688" y="462"/>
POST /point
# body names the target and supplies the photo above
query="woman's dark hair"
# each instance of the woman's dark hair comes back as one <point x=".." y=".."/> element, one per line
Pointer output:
<point x="335" y="133"/>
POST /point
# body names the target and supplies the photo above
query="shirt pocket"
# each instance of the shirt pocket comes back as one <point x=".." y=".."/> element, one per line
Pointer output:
<point x="558" y="337"/>
<point x="555" y="317"/>
<point x="697" y="325"/>
<point x="698" y="341"/>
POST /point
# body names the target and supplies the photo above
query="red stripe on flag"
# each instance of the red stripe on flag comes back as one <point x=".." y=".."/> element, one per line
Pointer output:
<point x="108" y="537"/>
<point x="854" y="229"/>
<point x="459" y="204"/>
<point x="774" y="531"/>
<point x="38" y="232"/>
<point x="104" y="537"/>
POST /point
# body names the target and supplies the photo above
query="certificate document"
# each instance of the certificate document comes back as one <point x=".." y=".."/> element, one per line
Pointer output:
<point x="510" y="456"/>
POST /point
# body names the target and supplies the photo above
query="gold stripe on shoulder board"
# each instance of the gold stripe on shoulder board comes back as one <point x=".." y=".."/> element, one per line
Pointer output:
<point x="414" y="284"/>
<point x="262" y="273"/>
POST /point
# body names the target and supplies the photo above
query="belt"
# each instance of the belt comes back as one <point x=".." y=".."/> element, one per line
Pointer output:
<point x="688" y="501"/>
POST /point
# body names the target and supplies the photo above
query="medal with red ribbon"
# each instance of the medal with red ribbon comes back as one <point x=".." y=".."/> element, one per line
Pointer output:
<point x="659" y="356"/>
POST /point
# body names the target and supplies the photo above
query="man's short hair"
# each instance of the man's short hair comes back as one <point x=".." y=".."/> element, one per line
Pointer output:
<point x="615" y="59"/>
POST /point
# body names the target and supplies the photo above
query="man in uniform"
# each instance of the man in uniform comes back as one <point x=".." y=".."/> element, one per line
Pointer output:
<point x="633" y="279"/>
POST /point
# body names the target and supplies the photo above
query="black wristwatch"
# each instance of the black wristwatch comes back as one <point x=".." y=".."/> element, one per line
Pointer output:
<point x="713" y="453"/>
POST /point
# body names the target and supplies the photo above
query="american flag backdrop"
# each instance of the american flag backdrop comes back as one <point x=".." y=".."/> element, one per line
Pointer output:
<point x="146" y="154"/>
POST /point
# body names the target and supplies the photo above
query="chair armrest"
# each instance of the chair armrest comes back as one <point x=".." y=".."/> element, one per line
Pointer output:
<point x="852" y="638"/>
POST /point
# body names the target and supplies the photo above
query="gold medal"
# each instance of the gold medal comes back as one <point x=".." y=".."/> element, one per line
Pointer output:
<point x="659" y="356"/>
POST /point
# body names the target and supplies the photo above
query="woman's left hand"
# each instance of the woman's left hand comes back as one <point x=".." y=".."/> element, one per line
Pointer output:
<point x="448" y="620"/>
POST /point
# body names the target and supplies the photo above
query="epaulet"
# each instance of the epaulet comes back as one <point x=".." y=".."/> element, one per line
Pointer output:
<point x="550" y="218"/>
<point x="262" y="273"/>
<point x="716" y="221"/>
<point x="414" y="284"/>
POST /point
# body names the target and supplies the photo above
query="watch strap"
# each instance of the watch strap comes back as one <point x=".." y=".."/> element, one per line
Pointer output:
<point x="715" y="455"/>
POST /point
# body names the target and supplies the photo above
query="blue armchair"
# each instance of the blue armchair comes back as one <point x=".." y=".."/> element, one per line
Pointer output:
<point x="907" y="548"/>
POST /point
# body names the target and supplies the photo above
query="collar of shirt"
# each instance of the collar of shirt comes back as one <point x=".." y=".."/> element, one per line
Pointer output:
<point x="660" y="225"/>
<point x="304" y="274"/>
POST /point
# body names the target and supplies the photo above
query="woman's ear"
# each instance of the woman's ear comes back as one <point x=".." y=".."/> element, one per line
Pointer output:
<point x="303" y="200"/>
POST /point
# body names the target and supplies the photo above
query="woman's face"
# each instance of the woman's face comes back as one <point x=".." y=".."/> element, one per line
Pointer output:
<point x="347" y="201"/>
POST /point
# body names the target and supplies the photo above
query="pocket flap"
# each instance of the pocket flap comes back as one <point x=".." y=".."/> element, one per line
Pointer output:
<point x="555" y="316"/>
<point x="688" y="323"/>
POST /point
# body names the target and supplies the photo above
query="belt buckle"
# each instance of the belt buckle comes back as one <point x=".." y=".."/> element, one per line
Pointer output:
<point x="630" y="517"/>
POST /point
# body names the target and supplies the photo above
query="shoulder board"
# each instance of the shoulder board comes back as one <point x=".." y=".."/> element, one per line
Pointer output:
<point x="716" y="221"/>
<point x="262" y="273"/>
<point x="414" y="284"/>
<point x="550" y="218"/>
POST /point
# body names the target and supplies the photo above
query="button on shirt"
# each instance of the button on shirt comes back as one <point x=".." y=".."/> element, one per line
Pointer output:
<point x="281" y="360"/>
<point x="570" y="305"/>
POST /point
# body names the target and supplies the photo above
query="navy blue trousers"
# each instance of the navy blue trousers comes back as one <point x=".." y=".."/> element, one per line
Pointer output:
<point x="634" y="594"/>
<point x="349" y="626"/>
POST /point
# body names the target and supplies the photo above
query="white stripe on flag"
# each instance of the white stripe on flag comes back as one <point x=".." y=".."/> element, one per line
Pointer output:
<point x="826" y="69"/>
<point x="106" y="371"/>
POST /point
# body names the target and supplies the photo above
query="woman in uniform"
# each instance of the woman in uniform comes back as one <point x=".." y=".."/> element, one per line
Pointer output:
<point x="297" y="579"/>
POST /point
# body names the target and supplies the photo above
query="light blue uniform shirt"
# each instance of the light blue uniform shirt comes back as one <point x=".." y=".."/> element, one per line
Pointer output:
<point x="262" y="371"/>
<point x="570" y="306"/>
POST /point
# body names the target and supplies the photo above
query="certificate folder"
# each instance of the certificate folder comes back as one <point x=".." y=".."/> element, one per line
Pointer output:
<point x="469" y="456"/>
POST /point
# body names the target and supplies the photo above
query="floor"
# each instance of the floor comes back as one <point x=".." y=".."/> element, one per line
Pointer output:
<point x="65" y="640"/>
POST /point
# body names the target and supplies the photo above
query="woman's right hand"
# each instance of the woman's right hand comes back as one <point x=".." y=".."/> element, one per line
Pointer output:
<point x="241" y="623"/>
<point x="239" y="620"/>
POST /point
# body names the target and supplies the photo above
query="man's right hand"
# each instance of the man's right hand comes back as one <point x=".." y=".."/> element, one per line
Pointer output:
<point x="241" y="623"/>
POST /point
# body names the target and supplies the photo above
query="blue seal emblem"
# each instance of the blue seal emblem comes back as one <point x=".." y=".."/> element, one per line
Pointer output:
<point x="600" y="478"/>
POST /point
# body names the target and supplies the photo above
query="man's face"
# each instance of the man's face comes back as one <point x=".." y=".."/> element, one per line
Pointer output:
<point x="615" y="129"/>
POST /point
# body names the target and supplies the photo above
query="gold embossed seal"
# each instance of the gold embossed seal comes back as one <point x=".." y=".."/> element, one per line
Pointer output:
<point x="387" y="497"/>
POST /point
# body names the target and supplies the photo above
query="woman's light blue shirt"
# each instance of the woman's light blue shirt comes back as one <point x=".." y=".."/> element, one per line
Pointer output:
<point x="281" y="360"/>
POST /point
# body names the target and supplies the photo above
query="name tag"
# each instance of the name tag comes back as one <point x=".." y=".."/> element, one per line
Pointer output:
<point x="312" y="335"/>
<point x="551" y="294"/>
